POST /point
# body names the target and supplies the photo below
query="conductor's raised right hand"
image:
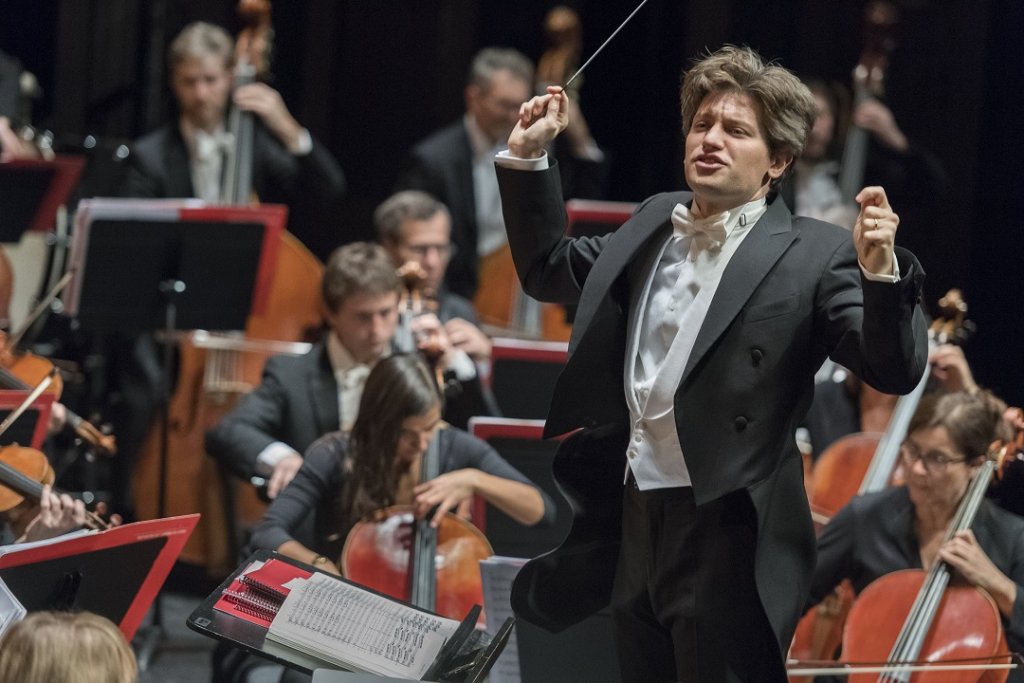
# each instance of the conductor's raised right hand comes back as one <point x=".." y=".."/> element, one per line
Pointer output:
<point x="541" y="119"/>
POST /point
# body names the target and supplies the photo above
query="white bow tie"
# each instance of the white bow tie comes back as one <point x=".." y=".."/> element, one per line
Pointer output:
<point x="209" y="145"/>
<point x="355" y="376"/>
<point x="709" y="233"/>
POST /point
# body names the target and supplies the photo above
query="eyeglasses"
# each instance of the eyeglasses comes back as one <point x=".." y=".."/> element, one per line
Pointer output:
<point x="421" y="250"/>
<point x="933" y="460"/>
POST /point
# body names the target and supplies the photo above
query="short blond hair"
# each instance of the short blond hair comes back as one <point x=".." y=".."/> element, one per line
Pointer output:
<point x="66" y="647"/>
<point x="786" y="108"/>
<point x="201" y="39"/>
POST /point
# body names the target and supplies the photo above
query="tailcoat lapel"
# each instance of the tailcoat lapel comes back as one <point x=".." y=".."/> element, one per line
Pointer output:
<point x="755" y="257"/>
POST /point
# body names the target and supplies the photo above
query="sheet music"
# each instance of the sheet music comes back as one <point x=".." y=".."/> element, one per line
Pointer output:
<point x="497" y="574"/>
<point x="11" y="609"/>
<point x="360" y="630"/>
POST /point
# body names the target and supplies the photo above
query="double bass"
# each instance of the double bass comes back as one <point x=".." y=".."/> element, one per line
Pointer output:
<point x="216" y="369"/>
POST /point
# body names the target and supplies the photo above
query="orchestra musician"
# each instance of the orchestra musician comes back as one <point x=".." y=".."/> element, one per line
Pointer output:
<point x="345" y="478"/>
<point x="301" y="398"/>
<point x="902" y="527"/>
<point x="415" y="227"/>
<point x="53" y="515"/>
<point x="702" y="321"/>
<point x="455" y="164"/>
<point x="186" y="158"/>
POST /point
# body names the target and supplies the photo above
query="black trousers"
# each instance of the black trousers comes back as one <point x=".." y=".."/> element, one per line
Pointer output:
<point x="685" y="604"/>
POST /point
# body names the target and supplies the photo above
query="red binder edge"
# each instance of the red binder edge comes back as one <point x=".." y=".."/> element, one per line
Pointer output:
<point x="12" y="398"/>
<point x="67" y="170"/>
<point x="175" y="529"/>
<point x="273" y="217"/>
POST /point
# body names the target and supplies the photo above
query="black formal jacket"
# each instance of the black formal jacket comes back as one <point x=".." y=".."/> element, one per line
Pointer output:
<point x="312" y="185"/>
<point x="791" y="295"/>
<point x="442" y="166"/>
<point x="296" y="403"/>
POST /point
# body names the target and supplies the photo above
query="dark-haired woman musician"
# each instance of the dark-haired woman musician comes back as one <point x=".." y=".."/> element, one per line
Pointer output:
<point x="903" y="527"/>
<point x="343" y="480"/>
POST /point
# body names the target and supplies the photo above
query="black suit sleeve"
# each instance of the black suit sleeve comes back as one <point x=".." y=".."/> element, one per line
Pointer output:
<point x="255" y="423"/>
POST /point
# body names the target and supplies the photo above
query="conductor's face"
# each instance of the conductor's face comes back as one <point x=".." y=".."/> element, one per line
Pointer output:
<point x="727" y="160"/>
<point x="365" y="323"/>
<point x="202" y="85"/>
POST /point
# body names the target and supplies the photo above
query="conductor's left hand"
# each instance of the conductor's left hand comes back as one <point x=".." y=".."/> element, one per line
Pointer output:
<point x="874" y="233"/>
<point x="541" y="119"/>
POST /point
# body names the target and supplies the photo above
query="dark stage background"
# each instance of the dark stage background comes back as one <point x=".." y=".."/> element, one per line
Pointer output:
<point x="370" y="77"/>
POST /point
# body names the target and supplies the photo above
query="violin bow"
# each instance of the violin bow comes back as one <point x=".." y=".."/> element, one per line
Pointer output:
<point x="15" y="338"/>
<point x="44" y="383"/>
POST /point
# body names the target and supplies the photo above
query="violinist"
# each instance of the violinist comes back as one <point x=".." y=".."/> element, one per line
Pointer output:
<point x="53" y="515"/>
<point x="415" y="227"/>
<point x="902" y="527"/>
<point x="301" y="398"/>
<point x="186" y="158"/>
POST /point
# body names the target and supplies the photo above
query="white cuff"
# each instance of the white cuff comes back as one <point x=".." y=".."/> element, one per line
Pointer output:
<point x="462" y="365"/>
<point x="303" y="145"/>
<point x="506" y="160"/>
<point x="271" y="455"/>
<point x="878" y="277"/>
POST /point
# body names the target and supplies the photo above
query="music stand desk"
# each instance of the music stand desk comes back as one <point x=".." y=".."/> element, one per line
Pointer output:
<point x="246" y="635"/>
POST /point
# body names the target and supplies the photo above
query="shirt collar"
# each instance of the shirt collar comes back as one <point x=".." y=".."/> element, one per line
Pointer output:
<point x="479" y="142"/>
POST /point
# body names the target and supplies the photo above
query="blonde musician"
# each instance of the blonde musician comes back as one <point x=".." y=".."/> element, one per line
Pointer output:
<point x="186" y="158"/>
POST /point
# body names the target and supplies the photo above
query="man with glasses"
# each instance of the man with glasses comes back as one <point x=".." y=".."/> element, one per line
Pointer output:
<point x="416" y="228"/>
<point x="904" y="527"/>
<point x="456" y="163"/>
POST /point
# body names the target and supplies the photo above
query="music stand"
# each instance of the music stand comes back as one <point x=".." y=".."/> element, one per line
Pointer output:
<point x="30" y="428"/>
<point x="593" y="218"/>
<point x="31" y="190"/>
<point x="115" y="573"/>
<point x="169" y="265"/>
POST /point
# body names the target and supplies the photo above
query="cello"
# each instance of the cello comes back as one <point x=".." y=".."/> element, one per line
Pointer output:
<point x="216" y="369"/>
<point x="913" y="615"/>
<point x="437" y="570"/>
<point x="863" y="463"/>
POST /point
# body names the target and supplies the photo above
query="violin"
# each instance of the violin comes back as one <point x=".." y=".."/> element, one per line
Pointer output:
<point x="404" y="557"/>
<point x="23" y="473"/>
<point x="22" y="370"/>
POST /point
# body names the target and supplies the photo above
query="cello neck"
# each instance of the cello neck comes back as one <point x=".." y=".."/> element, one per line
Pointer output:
<point x="423" y="570"/>
<point x="915" y="629"/>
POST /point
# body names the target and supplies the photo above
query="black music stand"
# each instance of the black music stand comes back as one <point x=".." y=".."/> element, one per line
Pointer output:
<point x="31" y="190"/>
<point x="165" y="272"/>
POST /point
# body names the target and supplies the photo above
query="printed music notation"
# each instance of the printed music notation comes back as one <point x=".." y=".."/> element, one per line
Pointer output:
<point x="358" y="629"/>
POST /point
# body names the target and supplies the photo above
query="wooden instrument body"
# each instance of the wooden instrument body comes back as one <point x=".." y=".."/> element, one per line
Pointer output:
<point x="966" y="625"/>
<point x="377" y="554"/>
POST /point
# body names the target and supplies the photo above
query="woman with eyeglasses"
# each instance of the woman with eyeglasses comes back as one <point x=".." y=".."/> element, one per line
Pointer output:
<point x="903" y="527"/>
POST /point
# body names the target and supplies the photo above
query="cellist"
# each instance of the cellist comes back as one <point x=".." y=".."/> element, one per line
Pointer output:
<point x="902" y="527"/>
<point x="346" y="478"/>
